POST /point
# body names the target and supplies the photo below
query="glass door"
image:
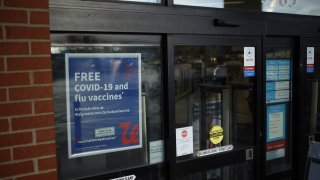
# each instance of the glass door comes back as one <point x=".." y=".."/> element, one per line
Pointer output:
<point x="310" y="118"/>
<point x="215" y="101"/>
<point x="278" y="111"/>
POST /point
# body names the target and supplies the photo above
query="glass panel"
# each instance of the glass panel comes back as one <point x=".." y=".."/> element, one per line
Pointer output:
<point x="278" y="109"/>
<point x="232" y="4"/>
<point x="102" y="139"/>
<point x="202" y="3"/>
<point x="145" y="1"/>
<point x="303" y="7"/>
<point x="213" y="97"/>
<point x="240" y="171"/>
<point x="312" y="97"/>
<point x="138" y="1"/>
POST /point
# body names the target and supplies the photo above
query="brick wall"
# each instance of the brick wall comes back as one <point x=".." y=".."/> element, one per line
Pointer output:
<point x="27" y="139"/>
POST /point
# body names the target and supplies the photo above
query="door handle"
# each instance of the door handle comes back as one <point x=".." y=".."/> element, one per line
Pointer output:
<point x="249" y="154"/>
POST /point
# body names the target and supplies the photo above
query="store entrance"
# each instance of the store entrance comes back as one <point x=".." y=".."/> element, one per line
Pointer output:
<point x="215" y="102"/>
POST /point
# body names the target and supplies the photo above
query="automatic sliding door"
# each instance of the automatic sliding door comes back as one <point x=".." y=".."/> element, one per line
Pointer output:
<point x="215" y="105"/>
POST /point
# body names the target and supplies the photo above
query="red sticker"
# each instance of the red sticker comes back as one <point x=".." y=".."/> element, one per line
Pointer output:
<point x="184" y="133"/>
<point x="276" y="145"/>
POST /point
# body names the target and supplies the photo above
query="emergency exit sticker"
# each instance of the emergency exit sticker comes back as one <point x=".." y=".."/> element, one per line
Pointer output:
<point x="310" y="59"/>
<point x="249" y="65"/>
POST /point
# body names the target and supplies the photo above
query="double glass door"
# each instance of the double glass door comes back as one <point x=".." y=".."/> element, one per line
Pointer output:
<point x="212" y="108"/>
<point x="215" y="107"/>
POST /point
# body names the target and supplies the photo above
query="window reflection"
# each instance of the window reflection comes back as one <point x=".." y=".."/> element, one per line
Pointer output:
<point x="203" y="3"/>
<point x="303" y="7"/>
<point x="145" y="1"/>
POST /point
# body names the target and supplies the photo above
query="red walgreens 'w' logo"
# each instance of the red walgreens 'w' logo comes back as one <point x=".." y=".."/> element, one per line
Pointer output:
<point x="134" y="134"/>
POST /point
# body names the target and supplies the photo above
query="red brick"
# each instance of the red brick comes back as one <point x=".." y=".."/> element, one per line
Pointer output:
<point x="46" y="135"/>
<point x="13" y="16"/>
<point x="34" y="151"/>
<point x="30" y="93"/>
<point x="5" y="155"/>
<point x="39" y="18"/>
<point x="43" y="106"/>
<point x="1" y="33"/>
<point x="14" y="32"/>
<point x="15" y="64"/>
<point x="40" y="48"/>
<point x="2" y="66"/>
<point x="10" y="109"/>
<point x="14" y="48"/>
<point x="4" y="125"/>
<point x="46" y="176"/>
<point x="14" y="79"/>
<point x="44" y="77"/>
<point x="48" y="163"/>
<point x="32" y="122"/>
<point x="42" y="4"/>
<point x="15" y="139"/>
<point x="3" y="95"/>
<point x="16" y="168"/>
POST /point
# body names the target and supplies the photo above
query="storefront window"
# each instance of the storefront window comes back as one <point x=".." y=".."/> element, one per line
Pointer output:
<point x="138" y="1"/>
<point x="202" y="3"/>
<point x="107" y="95"/>
<point x="214" y="101"/>
<point x="228" y="4"/>
<point x="145" y="1"/>
<point x="303" y="7"/>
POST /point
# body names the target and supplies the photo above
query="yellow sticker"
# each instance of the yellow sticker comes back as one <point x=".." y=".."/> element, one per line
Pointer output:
<point x="216" y="134"/>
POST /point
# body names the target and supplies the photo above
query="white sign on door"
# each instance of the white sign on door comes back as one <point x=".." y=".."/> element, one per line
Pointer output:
<point x="184" y="140"/>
